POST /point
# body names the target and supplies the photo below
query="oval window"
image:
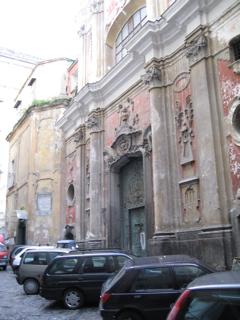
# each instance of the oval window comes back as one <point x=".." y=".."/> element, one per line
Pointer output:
<point x="70" y="193"/>
<point x="236" y="120"/>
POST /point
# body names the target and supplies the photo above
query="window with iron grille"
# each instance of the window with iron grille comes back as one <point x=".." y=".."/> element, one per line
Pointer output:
<point x="137" y="20"/>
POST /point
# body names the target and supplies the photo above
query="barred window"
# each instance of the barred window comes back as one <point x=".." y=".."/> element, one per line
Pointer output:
<point x="131" y="27"/>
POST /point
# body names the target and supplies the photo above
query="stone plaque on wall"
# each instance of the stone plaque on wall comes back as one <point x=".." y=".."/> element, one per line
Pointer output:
<point x="44" y="204"/>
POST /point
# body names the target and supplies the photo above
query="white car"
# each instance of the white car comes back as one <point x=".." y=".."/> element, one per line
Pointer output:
<point x="18" y="257"/>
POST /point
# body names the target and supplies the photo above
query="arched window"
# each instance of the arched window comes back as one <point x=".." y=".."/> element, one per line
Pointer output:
<point x="137" y="20"/>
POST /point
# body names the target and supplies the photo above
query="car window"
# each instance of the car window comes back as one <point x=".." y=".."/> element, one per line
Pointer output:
<point x="217" y="304"/>
<point x="52" y="255"/>
<point x="94" y="264"/>
<point x="18" y="251"/>
<point x="39" y="258"/>
<point x="116" y="262"/>
<point x="62" y="266"/>
<point x="150" y="279"/>
<point x="186" y="274"/>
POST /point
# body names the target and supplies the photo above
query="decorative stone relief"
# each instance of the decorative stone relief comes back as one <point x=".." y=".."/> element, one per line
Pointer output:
<point x="87" y="170"/>
<point x="190" y="199"/>
<point x="181" y="82"/>
<point x="70" y="161"/>
<point x="78" y="136"/>
<point x="93" y="122"/>
<point x="136" y="188"/>
<point x="82" y="31"/>
<point x="184" y="120"/>
<point x="153" y="77"/>
<point x="96" y="6"/>
<point x="196" y="49"/>
<point x="87" y="179"/>
<point x="127" y="120"/>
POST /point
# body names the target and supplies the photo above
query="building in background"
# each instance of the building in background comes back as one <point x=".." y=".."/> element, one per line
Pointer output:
<point x="15" y="67"/>
<point x="36" y="156"/>
<point x="152" y="136"/>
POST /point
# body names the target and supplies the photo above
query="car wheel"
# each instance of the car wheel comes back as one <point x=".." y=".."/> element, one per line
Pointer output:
<point x="4" y="267"/>
<point x="128" y="315"/>
<point x="73" y="299"/>
<point x="31" y="286"/>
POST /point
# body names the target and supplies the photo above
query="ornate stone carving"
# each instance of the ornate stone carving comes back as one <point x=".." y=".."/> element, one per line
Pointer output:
<point x="153" y="77"/>
<point x="127" y="120"/>
<point x="147" y="147"/>
<point x="96" y="6"/>
<point x="184" y="119"/>
<point x="196" y="49"/>
<point x="87" y="179"/>
<point x="190" y="199"/>
<point x="92" y="122"/>
<point x="78" y="136"/>
<point x="82" y="31"/>
<point x="136" y="187"/>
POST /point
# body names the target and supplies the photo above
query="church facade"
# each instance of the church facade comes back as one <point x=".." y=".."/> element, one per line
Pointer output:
<point x="152" y="135"/>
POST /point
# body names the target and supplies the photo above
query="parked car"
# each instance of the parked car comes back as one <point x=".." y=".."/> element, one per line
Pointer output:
<point x="3" y="256"/>
<point x="15" y="251"/>
<point x="78" y="277"/>
<point x="145" y="288"/>
<point x="32" y="266"/>
<point x="17" y="259"/>
<point x="214" y="296"/>
<point x="66" y="244"/>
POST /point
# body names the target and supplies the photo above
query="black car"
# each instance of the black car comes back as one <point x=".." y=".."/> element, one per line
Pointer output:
<point x="214" y="296"/>
<point x="145" y="288"/>
<point x="78" y="277"/>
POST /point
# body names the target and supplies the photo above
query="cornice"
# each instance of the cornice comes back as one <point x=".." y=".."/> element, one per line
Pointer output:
<point x="159" y="39"/>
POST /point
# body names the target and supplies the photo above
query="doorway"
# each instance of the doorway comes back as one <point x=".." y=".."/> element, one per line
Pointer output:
<point x="132" y="203"/>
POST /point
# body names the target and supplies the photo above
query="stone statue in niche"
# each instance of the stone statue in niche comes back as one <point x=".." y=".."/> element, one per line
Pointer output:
<point x="191" y="203"/>
<point x="184" y="121"/>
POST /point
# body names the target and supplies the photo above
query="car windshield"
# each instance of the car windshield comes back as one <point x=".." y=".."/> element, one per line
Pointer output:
<point x="214" y="304"/>
<point x="2" y="248"/>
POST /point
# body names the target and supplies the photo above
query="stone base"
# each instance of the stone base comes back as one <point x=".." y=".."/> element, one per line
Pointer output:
<point x="213" y="246"/>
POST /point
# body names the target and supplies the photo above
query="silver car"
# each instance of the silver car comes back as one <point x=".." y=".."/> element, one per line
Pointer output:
<point x="32" y="266"/>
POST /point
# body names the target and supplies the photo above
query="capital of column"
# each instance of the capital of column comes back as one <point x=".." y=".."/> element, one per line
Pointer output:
<point x="153" y="77"/>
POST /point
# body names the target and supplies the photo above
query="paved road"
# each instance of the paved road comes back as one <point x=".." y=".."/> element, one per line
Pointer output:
<point x="16" y="305"/>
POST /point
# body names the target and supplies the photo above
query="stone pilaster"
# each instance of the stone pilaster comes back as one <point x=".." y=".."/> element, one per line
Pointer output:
<point x="205" y="115"/>
<point x="95" y="178"/>
<point x="153" y="78"/>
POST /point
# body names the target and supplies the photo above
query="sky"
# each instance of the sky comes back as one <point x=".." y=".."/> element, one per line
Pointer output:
<point x="42" y="28"/>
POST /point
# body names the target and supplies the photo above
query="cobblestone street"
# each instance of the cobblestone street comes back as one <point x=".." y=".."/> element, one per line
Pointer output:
<point x="16" y="305"/>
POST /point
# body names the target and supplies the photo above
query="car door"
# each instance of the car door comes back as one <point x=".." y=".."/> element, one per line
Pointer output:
<point x="62" y="274"/>
<point x="153" y="292"/>
<point x="94" y="271"/>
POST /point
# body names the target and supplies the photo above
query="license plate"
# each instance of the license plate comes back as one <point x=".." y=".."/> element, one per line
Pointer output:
<point x="2" y="263"/>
